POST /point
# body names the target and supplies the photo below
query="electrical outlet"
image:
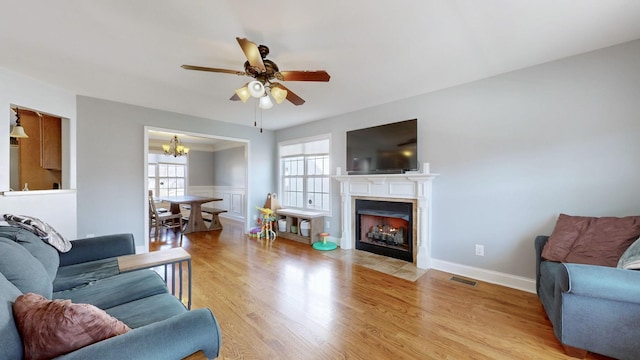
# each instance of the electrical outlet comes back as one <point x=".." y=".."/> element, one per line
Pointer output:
<point x="327" y="224"/>
<point x="479" y="250"/>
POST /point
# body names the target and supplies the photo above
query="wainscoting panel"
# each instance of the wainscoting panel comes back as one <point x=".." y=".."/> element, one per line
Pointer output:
<point x="233" y="199"/>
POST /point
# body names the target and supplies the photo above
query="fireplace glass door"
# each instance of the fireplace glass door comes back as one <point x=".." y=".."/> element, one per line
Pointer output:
<point x="385" y="228"/>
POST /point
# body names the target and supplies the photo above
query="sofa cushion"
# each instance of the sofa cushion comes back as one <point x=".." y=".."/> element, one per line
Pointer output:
<point x="45" y="253"/>
<point x="148" y="310"/>
<point x="81" y="274"/>
<point x="10" y="341"/>
<point x="22" y="269"/>
<point x="630" y="259"/>
<point x="116" y="290"/>
<point x="591" y="240"/>
<point x="50" y="328"/>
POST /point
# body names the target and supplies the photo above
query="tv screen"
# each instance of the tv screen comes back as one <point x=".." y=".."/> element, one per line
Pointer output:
<point x="385" y="149"/>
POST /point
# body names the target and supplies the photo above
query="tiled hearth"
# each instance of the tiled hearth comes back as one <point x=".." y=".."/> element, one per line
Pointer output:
<point x="398" y="268"/>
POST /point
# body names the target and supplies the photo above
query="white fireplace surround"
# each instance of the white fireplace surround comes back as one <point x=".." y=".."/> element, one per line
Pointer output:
<point x="413" y="186"/>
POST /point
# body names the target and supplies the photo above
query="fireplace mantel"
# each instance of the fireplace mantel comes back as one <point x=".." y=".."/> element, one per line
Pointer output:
<point x="413" y="186"/>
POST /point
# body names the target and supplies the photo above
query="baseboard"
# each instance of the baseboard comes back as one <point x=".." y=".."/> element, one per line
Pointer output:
<point x="232" y="217"/>
<point x="494" y="277"/>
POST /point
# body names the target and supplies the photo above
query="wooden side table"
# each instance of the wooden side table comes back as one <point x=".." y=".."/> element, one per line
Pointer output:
<point x="173" y="257"/>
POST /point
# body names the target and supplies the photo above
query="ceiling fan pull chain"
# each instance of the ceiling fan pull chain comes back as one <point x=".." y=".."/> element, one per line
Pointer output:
<point x="255" y="115"/>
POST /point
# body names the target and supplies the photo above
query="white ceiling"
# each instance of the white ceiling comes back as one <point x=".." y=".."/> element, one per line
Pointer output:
<point x="375" y="51"/>
<point x="200" y="143"/>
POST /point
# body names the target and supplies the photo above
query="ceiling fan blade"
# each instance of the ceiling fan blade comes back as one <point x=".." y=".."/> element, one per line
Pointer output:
<point x="202" y="68"/>
<point x="252" y="53"/>
<point x="319" y="75"/>
<point x="291" y="96"/>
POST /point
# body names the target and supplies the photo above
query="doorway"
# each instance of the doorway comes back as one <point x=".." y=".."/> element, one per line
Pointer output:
<point x="215" y="167"/>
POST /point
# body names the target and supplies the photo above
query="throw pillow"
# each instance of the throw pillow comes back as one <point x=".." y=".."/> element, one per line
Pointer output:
<point x="630" y="259"/>
<point x="51" y="328"/>
<point x="591" y="240"/>
<point x="45" y="231"/>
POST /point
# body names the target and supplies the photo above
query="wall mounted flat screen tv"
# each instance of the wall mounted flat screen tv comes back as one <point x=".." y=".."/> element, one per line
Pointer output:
<point x="384" y="149"/>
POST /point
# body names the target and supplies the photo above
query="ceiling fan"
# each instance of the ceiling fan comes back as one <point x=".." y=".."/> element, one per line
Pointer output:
<point x="264" y="72"/>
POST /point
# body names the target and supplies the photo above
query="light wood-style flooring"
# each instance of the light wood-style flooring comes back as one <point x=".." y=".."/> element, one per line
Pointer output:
<point x="285" y="300"/>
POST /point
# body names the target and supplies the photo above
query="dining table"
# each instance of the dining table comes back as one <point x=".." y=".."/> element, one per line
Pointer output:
<point x="196" y="222"/>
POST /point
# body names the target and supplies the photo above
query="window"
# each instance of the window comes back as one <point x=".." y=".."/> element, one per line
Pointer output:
<point x="305" y="174"/>
<point x="167" y="175"/>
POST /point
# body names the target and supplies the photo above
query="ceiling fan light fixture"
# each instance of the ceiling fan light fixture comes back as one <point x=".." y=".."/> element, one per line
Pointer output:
<point x="243" y="93"/>
<point x="256" y="89"/>
<point x="278" y="94"/>
<point x="265" y="102"/>
<point x="263" y="71"/>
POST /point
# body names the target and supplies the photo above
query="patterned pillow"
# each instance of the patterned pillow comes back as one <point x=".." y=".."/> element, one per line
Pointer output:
<point x="51" y="328"/>
<point x="630" y="259"/>
<point x="40" y="228"/>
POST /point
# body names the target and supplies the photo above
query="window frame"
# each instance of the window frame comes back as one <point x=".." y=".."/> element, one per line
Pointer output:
<point x="306" y="176"/>
<point x="160" y="160"/>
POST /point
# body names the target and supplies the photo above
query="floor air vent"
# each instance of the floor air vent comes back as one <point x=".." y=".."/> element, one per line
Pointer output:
<point x="463" y="281"/>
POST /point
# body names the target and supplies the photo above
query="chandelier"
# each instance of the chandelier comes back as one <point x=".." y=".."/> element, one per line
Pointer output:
<point x="175" y="148"/>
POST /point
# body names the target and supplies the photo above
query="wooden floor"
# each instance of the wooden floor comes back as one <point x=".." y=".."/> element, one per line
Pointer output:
<point x="287" y="301"/>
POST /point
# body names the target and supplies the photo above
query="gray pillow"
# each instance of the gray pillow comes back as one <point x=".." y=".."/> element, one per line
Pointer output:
<point x="630" y="259"/>
<point x="23" y="270"/>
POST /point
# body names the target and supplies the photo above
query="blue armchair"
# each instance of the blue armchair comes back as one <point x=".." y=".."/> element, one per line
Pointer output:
<point x="592" y="308"/>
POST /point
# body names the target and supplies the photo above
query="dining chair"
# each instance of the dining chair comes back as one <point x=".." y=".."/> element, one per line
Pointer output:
<point x="165" y="220"/>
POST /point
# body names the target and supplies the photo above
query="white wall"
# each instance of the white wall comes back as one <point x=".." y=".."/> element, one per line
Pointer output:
<point x="111" y="183"/>
<point x="56" y="208"/>
<point x="516" y="150"/>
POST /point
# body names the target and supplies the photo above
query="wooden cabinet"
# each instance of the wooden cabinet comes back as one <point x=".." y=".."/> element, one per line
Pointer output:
<point x="51" y="149"/>
<point x="295" y="218"/>
<point x="39" y="155"/>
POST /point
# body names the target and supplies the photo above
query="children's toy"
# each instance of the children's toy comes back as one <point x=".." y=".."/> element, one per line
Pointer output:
<point x="255" y="232"/>
<point x="324" y="245"/>
<point x="267" y="217"/>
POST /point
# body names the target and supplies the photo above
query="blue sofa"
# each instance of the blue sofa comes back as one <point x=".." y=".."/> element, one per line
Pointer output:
<point x="161" y="326"/>
<point x="592" y="308"/>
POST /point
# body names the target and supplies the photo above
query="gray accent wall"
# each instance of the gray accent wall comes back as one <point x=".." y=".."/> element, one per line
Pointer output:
<point x="201" y="168"/>
<point x="218" y="168"/>
<point x="110" y="160"/>
<point x="514" y="151"/>
<point x="230" y="167"/>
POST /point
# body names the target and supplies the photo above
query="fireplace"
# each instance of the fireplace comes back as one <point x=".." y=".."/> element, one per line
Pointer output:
<point x="384" y="228"/>
<point x="411" y="188"/>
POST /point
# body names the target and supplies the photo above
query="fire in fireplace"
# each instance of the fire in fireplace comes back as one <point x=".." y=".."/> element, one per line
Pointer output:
<point x="385" y="228"/>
